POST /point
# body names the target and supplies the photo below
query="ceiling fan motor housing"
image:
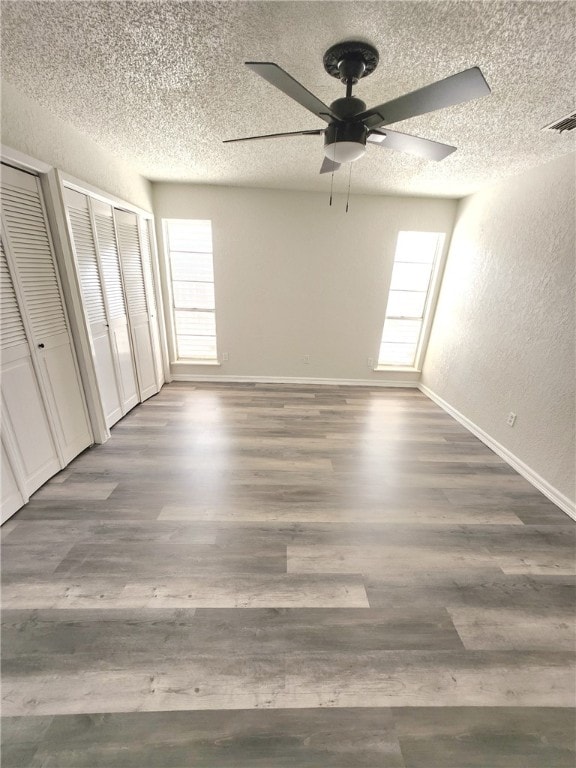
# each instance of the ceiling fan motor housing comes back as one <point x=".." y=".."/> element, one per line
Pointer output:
<point x="347" y="107"/>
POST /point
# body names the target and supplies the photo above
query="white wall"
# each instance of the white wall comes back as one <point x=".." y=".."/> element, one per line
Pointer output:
<point x="503" y="337"/>
<point x="296" y="277"/>
<point x="29" y="128"/>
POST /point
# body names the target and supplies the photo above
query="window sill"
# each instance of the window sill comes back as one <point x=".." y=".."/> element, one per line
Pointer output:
<point x="400" y="368"/>
<point x="193" y="361"/>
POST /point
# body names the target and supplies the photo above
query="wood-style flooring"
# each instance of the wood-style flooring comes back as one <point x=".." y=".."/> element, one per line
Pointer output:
<point x="273" y="576"/>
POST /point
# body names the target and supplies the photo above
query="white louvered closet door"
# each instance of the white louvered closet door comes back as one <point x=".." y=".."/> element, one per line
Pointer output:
<point x="146" y="241"/>
<point x="93" y="299"/>
<point x="115" y="302"/>
<point x="135" y="289"/>
<point x="31" y="261"/>
<point x="29" y="455"/>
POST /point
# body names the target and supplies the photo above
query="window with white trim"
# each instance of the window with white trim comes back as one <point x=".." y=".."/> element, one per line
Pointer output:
<point x="415" y="264"/>
<point x="189" y="249"/>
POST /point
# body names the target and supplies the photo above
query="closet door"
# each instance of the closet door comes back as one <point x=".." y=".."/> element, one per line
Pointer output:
<point x="138" y="313"/>
<point x="31" y="261"/>
<point x="25" y="421"/>
<point x="115" y="302"/>
<point x="146" y="241"/>
<point x="12" y="498"/>
<point x="93" y="299"/>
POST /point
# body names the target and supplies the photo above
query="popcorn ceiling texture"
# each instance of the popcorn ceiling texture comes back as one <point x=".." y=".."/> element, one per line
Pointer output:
<point x="503" y="334"/>
<point x="30" y="128"/>
<point x="159" y="84"/>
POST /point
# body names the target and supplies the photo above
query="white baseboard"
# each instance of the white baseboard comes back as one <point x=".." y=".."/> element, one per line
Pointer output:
<point x="291" y="380"/>
<point x="562" y="501"/>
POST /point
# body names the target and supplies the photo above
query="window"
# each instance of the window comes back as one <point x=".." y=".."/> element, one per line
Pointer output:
<point x="415" y="263"/>
<point x="189" y="248"/>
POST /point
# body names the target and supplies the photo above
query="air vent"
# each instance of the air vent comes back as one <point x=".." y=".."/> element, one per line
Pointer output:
<point x="567" y="123"/>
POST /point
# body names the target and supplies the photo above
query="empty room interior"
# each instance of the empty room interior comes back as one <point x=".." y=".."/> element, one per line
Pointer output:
<point x="288" y="384"/>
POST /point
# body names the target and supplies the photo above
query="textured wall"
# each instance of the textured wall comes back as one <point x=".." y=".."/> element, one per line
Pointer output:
<point x="296" y="277"/>
<point x="30" y="128"/>
<point x="503" y="337"/>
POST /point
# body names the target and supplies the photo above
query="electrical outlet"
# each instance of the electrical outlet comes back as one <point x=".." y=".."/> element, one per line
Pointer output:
<point x="371" y="362"/>
<point x="306" y="359"/>
<point x="511" y="419"/>
<point x="225" y="357"/>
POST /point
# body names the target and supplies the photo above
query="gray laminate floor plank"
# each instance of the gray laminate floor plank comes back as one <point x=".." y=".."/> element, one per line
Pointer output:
<point x="240" y="590"/>
<point x="472" y="737"/>
<point x="184" y="633"/>
<point x="288" y="575"/>
<point x="313" y="738"/>
<point x="127" y="682"/>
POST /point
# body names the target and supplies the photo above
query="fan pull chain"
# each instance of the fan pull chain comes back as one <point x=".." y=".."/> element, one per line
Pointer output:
<point x="331" y="186"/>
<point x="332" y="179"/>
<point x="349" y="181"/>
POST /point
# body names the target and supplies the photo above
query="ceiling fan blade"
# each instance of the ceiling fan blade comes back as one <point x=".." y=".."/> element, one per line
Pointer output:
<point x="456" y="89"/>
<point x="277" y="77"/>
<point x="317" y="132"/>
<point x="329" y="166"/>
<point x="413" y="145"/>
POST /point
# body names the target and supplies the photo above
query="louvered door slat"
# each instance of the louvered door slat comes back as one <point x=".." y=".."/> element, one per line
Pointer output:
<point x="20" y="231"/>
<point x="12" y="329"/>
<point x="20" y="211"/>
<point x="20" y="205"/>
<point x="42" y="305"/>
<point x="87" y="264"/>
<point x="30" y="248"/>
<point x="26" y="194"/>
<point x="43" y="280"/>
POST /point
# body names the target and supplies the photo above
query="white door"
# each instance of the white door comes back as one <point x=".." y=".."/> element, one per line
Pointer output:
<point x="146" y="240"/>
<point x="115" y="302"/>
<point x="12" y="497"/>
<point x="33" y="269"/>
<point x="138" y="314"/>
<point x="93" y="300"/>
<point x="25" y="420"/>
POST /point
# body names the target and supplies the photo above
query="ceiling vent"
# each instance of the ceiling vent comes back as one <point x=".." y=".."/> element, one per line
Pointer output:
<point x="567" y="123"/>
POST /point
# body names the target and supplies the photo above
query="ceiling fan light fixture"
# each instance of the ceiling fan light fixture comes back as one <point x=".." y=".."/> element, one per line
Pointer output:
<point x="344" y="151"/>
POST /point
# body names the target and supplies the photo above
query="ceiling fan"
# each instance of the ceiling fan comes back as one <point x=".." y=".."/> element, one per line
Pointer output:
<point x="350" y="124"/>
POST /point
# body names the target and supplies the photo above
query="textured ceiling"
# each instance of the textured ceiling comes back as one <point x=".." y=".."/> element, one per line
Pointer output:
<point x="161" y="83"/>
